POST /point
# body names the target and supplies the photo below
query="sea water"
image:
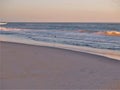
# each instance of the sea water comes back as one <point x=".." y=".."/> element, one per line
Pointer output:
<point x="104" y="36"/>
<point x="95" y="38"/>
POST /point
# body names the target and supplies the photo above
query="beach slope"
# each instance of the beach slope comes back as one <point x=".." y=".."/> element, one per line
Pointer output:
<point x="25" y="66"/>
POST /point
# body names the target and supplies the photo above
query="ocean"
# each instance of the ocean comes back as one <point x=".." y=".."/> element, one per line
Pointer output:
<point x="95" y="35"/>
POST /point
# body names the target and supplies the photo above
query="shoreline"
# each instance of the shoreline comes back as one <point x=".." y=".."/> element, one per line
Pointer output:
<point x="100" y="52"/>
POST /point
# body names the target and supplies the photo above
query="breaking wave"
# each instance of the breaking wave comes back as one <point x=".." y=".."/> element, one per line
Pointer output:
<point x="109" y="33"/>
<point x="9" y="29"/>
<point x="106" y="33"/>
<point x="3" y="23"/>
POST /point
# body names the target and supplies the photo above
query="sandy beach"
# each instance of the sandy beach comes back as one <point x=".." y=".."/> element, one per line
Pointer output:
<point x="25" y="66"/>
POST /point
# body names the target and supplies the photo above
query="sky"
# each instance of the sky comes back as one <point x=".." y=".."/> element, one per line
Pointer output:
<point x="60" y="10"/>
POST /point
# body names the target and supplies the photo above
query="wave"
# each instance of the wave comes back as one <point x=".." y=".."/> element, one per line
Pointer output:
<point x="9" y="29"/>
<point x="106" y="33"/>
<point x="3" y="23"/>
<point x="86" y="31"/>
<point x="109" y="33"/>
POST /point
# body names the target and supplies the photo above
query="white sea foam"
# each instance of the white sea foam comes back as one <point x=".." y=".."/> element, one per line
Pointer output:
<point x="110" y="33"/>
<point x="3" y="23"/>
<point x="9" y="29"/>
<point x="107" y="33"/>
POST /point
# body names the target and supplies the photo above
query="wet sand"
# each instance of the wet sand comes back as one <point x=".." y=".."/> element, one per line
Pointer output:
<point x="25" y="66"/>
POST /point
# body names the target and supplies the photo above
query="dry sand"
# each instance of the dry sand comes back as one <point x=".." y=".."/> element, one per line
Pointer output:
<point x="37" y="67"/>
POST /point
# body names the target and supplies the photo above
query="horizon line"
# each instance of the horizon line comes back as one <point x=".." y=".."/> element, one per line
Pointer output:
<point x="55" y="22"/>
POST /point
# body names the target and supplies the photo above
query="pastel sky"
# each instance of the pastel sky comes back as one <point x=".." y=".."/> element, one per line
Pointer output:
<point x="60" y="10"/>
